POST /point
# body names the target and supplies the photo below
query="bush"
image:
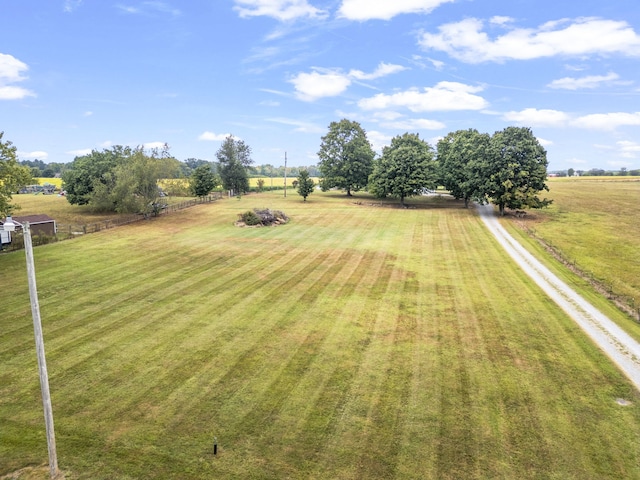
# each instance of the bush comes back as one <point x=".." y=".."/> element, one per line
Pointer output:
<point x="264" y="217"/>
<point x="250" y="218"/>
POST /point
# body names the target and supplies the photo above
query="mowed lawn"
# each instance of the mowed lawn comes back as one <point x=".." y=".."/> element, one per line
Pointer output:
<point x="356" y="342"/>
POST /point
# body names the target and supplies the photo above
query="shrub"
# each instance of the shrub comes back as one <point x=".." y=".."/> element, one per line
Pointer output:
<point x="250" y="218"/>
<point x="264" y="217"/>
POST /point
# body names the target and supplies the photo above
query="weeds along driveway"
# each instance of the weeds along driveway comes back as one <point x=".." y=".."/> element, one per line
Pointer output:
<point x="609" y="337"/>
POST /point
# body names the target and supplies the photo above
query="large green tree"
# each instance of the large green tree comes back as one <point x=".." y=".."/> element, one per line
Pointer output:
<point x="136" y="181"/>
<point x="12" y="175"/>
<point x="234" y="156"/>
<point x="203" y="180"/>
<point x="121" y="179"/>
<point x="405" y="169"/>
<point x="517" y="170"/>
<point x="94" y="171"/>
<point x="346" y="157"/>
<point x="462" y="156"/>
<point x="305" y="184"/>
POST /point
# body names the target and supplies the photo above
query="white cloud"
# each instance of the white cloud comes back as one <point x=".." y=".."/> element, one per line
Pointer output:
<point x="213" y="137"/>
<point x="445" y="96"/>
<point x="378" y="139"/>
<point x="628" y="149"/>
<point x="608" y="121"/>
<point x="361" y="10"/>
<point x="39" y="155"/>
<point x="499" y="20"/>
<point x="11" y="68"/>
<point x="11" y="71"/>
<point x="592" y="81"/>
<point x="466" y="40"/>
<point x="538" y="118"/>
<point x="315" y="85"/>
<point x="14" y="93"/>
<point x="386" y="115"/>
<point x="283" y="10"/>
<point x="382" y="70"/>
<point x="323" y="82"/>
<point x="426" y="62"/>
<point x="544" y="142"/>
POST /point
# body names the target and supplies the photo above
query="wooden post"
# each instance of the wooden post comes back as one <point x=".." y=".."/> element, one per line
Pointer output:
<point x="42" y="363"/>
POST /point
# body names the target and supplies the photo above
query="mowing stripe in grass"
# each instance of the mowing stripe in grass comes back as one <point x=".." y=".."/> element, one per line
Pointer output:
<point x="407" y="348"/>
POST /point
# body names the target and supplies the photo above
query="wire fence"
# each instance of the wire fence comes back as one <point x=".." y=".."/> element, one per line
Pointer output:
<point x="69" y="231"/>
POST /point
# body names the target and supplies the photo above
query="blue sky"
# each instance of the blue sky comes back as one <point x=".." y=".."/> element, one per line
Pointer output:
<point x="77" y="75"/>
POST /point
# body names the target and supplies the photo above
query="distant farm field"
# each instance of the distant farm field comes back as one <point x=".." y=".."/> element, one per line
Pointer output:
<point x="595" y="223"/>
<point x="277" y="182"/>
<point x="359" y="341"/>
<point x="53" y="181"/>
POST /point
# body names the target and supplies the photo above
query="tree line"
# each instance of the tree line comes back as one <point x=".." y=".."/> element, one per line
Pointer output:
<point x="508" y="168"/>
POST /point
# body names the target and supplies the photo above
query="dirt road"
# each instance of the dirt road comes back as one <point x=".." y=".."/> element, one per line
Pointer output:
<point x="611" y="339"/>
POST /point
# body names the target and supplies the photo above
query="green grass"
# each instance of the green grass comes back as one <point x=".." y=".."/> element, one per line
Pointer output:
<point x="357" y="341"/>
<point x="594" y="223"/>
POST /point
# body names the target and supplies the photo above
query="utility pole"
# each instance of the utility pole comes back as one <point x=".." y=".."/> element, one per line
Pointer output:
<point x="42" y="363"/>
<point x="285" y="174"/>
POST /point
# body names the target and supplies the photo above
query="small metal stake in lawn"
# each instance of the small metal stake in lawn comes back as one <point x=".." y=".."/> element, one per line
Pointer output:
<point x="10" y="225"/>
<point x="215" y="445"/>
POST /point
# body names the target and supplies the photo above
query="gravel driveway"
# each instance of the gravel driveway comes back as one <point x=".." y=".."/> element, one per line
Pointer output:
<point x="611" y="339"/>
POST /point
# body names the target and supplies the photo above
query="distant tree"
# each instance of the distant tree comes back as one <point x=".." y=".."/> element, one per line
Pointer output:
<point x="346" y="157"/>
<point x="12" y="175"/>
<point x="517" y="171"/>
<point x="260" y="184"/>
<point x="405" y="168"/>
<point x="305" y="184"/>
<point x="93" y="171"/>
<point x="136" y="181"/>
<point x="235" y="158"/>
<point x="122" y="179"/>
<point x="571" y="172"/>
<point x="461" y="157"/>
<point x="203" y="180"/>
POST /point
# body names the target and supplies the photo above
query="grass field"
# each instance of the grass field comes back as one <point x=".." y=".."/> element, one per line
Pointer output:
<point x="358" y="341"/>
<point x="594" y="222"/>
